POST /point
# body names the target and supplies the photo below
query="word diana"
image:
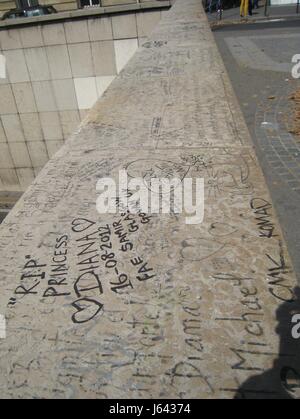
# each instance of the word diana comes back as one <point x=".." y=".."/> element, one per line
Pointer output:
<point x="155" y="196"/>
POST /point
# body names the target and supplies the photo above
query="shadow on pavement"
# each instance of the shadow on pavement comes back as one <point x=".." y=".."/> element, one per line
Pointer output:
<point x="283" y="380"/>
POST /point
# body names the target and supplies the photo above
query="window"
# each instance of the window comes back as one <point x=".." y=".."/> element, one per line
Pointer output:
<point x="89" y="3"/>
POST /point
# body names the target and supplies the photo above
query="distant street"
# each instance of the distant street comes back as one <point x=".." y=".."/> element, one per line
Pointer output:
<point x="261" y="13"/>
<point x="258" y="59"/>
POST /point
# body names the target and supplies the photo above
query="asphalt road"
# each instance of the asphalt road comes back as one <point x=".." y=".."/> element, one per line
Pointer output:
<point x="258" y="59"/>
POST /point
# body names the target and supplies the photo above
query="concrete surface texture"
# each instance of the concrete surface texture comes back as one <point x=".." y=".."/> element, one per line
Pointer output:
<point x="55" y="73"/>
<point x="181" y="311"/>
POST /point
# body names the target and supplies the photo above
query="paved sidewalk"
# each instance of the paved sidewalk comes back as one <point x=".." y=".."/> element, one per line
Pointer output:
<point x="259" y="64"/>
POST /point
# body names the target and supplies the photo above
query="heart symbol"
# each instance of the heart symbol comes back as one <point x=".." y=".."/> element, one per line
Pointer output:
<point x="87" y="309"/>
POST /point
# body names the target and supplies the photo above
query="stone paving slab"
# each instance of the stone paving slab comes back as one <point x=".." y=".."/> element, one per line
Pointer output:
<point x="168" y="310"/>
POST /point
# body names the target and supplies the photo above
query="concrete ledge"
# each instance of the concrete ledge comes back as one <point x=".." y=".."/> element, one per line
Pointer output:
<point x="85" y="13"/>
<point x="144" y="305"/>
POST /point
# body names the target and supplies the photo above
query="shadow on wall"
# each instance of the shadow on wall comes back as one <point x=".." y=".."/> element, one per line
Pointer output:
<point x="2" y="216"/>
<point x="283" y="380"/>
<point x="7" y="202"/>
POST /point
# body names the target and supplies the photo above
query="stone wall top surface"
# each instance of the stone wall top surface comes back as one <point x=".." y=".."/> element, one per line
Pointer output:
<point x="181" y="311"/>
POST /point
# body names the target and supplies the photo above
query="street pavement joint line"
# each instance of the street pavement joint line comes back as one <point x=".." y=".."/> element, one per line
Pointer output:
<point x="247" y="53"/>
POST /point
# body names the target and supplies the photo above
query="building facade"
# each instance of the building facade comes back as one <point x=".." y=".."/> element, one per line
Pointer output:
<point x="56" y="69"/>
<point x="65" y="5"/>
